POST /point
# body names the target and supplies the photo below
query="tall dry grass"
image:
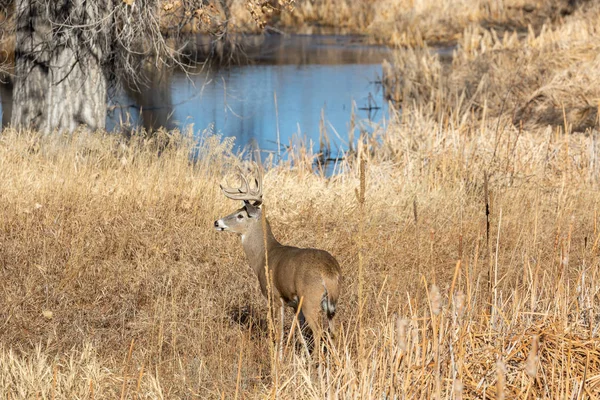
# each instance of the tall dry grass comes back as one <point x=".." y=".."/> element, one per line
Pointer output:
<point x="469" y="247"/>
<point x="478" y="244"/>
<point x="542" y="78"/>
<point x="390" y="22"/>
<point x="416" y="22"/>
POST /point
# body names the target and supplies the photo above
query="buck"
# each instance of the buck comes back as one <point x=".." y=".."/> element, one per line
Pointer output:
<point x="301" y="277"/>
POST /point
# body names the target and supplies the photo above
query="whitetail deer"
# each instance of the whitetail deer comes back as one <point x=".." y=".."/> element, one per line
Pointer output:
<point x="298" y="273"/>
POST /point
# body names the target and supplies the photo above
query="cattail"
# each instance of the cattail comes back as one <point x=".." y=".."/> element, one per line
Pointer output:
<point x="436" y="300"/>
<point x="415" y="339"/>
<point x="500" y="379"/>
<point x="401" y="325"/>
<point x="458" y="389"/>
<point x="459" y="304"/>
<point x="415" y="213"/>
<point x="533" y="358"/>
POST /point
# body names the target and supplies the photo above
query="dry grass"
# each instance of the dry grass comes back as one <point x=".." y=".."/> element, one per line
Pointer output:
<point x="391" y="22"/>
<point x="540" y="79"/>
<point x="416" y="22"/>
<point x="475" y="254"/>
<point x="114" y="283"/>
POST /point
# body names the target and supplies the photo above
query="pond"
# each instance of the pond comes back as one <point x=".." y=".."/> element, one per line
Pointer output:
<point x="296" y="86"/>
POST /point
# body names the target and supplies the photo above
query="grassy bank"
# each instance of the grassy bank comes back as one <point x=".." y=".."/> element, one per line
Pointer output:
<point x="545" y="78"/>
<point x="228" y="28"/>
<point x="115" y="284"/>
<point x="391" y="22"/>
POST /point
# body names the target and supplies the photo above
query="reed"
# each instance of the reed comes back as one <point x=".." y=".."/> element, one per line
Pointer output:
<point x="541" y="77"/>
<point x="402" y="23"/>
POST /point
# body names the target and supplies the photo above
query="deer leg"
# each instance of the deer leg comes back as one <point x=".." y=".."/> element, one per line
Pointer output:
<point x="282" y="317"/>
<point x="311" y="313"/>
<point x="315" y="329"/>
<point x="305" y="334"/>
<point x="301" y="319"/>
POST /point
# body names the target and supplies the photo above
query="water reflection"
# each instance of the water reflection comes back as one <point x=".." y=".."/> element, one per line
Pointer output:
<point x="293" y="82"/>
<point x="6" y="97"/>
<point x="295" y="86"/>
<point x="151" y="101"/>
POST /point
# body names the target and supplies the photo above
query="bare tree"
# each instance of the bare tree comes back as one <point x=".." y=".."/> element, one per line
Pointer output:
<point x="68" y="52"/>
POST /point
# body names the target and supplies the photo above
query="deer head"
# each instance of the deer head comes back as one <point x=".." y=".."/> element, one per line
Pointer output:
<point x="243" y="219"/>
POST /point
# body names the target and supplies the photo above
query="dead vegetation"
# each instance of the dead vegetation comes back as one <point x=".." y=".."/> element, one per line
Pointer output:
<point x="404" y="23"/>
<point x="474" y="255"/>
<point x="226" y="28"/>
<point x="115" y="284"/>
<point x="409" y="23"/>
<point x="545" y="78"/>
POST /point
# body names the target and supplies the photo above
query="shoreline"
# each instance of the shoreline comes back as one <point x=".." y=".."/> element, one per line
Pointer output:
<point x="398" y="27"/>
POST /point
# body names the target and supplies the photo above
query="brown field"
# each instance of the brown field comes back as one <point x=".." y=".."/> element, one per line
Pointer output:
<point x="115" y="284"/>
<point x="550" y="77"/>
<point x="470" y="270"/>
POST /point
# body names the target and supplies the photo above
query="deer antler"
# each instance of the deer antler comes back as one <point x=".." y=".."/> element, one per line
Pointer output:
<point x="244" y="192"/>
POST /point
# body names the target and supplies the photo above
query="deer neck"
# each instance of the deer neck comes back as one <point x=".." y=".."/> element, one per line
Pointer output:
<point x="254" y="242"/>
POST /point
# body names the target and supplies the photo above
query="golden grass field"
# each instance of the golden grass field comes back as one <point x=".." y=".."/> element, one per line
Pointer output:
<point x="115" y="285"/>
<point x="470" y="270"/>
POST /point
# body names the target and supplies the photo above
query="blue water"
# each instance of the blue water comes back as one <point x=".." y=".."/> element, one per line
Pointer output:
<point x="301" y="80"/>
<point x="251" y="102"/>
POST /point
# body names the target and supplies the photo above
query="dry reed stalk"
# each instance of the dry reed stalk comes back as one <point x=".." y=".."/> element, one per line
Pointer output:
<point x="401" y="327"/>
<point x="436" y="309"/>
<point x="277" y="126"/>
<point x="293" y="326"/>
<point x="124" y="387"/>
<point x="457" y="388"/>
<point x="495" y="290"/>
<point x="139" y="383"/>
<point x="454" y="279"/>
<point x="500" y="380"/>
<point x="360" y="196"/>
<point x="54" y="371"/>
<point x="271" y="307"/>
<point x="239" y="371"/>
<point x="531" y="365"/>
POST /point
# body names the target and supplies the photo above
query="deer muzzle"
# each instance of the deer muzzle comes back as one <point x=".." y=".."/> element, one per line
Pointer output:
<point x="220" y="225"/>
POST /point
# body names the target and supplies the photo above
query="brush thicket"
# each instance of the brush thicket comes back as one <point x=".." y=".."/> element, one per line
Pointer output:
<point x="546" y="76"/>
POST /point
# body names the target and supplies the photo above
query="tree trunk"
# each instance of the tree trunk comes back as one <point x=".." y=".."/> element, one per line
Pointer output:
<point x="60" y="83"/>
